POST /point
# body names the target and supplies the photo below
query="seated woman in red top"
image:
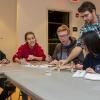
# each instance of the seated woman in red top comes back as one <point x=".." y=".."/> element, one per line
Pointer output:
<point x="31" y="50"/>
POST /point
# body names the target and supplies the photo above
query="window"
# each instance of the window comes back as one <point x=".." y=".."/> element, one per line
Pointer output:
<point x="55" y="19"/>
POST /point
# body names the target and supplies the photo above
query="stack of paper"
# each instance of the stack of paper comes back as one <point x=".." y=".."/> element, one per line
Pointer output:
<point x="82" y="73"/>
<point x="92" y="76"/>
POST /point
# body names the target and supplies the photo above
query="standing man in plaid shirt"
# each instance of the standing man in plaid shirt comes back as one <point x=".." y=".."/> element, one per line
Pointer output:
<point x="87" y="12"/>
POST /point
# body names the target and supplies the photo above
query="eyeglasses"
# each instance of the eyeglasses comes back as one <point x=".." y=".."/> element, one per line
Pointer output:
<point x="63" y="36"/>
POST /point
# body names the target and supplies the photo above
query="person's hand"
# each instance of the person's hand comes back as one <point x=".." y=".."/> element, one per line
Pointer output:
<point x="48" y="58"/>
<point x="79" y="66"/>
<point x="0" y="61"/>
<point x="62" y="62"/>
<point x="17" y="60"/>
<point x="4" y="61"/>
<point x="31" y="57"/>
<point x="54" y="62"/>
<point x="90" y="70"/>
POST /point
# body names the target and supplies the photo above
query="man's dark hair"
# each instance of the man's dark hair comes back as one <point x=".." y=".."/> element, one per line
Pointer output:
<point x="92" y="41"/>
<point x="87" y="6"/>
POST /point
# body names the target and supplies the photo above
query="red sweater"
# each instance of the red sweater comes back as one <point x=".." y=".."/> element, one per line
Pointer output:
<point x="24" y="51"/>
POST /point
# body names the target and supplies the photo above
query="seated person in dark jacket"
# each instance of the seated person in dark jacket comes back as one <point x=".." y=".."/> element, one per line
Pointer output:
<point x="7" y="87"/>
<point x="91" y="42"/>
<point x="64" y="48"/>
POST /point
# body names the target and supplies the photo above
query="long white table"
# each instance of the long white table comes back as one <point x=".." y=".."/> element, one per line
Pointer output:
<point x="58" y="86"/>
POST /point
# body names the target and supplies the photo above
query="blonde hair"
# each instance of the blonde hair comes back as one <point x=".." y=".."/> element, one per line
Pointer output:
<point x="63" y="28"/>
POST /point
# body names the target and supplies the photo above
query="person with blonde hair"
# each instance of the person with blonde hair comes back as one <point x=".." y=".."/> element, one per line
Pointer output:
<point x="64" y="48"/>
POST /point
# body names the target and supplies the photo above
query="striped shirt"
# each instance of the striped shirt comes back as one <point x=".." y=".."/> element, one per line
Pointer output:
<point x="89" y="27"/>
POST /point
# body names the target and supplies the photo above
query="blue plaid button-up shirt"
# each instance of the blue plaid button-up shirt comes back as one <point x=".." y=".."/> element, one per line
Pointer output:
<point x="89" y="27"/>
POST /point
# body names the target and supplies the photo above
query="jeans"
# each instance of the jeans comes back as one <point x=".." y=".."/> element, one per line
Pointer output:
<point x="8" y="88"/>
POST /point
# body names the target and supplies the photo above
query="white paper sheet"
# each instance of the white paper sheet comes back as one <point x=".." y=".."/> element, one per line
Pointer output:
<point x="79" y="73"/>
<point x="42" y="66"/>
<point x="92" y="76"/>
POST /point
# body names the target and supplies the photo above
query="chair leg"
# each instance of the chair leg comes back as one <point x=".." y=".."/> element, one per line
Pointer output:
<point x="19" y="95"/>
<point x="10" y="98"/>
